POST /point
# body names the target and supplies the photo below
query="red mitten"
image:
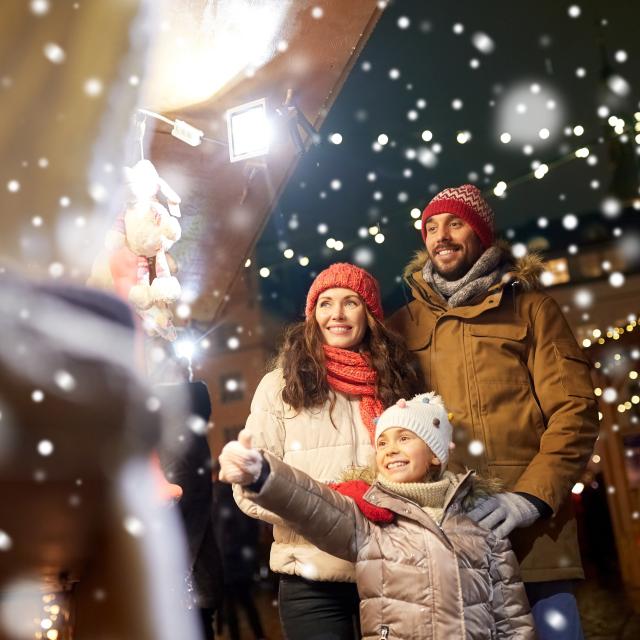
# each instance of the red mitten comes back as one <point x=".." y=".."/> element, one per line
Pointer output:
<point x="355" y="489"/>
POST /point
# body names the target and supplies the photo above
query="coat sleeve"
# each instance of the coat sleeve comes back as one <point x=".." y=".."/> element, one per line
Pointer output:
<point x="324" y="517"/>
<point x="266" y="425"/>
<point x="509" y="601"/>
<point x="563" y="387"/>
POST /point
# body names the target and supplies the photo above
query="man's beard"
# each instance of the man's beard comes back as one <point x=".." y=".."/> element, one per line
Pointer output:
<point x="455" y="274"/>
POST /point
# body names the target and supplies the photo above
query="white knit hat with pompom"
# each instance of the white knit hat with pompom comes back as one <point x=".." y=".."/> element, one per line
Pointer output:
<point x="426" y="416"/>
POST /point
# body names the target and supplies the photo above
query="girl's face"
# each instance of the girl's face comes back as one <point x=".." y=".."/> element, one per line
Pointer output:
<point x="341" y="316"/>
<point x="401" y="456"/>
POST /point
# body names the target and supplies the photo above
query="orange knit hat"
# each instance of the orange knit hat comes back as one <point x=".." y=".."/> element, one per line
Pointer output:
<point x="347" y="276"/>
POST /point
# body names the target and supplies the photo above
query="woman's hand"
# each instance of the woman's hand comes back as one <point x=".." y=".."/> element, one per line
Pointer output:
<point x="239" y="463"/>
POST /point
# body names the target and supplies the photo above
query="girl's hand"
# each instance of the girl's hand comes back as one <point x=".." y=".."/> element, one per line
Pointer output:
<point x="239" y="463"/>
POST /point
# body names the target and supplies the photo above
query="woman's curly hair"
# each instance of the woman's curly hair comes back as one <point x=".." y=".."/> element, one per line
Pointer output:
<point x="302" y="360"/>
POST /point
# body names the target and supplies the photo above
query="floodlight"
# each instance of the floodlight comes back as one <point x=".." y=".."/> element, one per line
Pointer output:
<point x="248" y="129"/>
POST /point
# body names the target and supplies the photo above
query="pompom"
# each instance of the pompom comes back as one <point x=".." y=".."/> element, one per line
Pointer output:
<point x="402" y="403"/>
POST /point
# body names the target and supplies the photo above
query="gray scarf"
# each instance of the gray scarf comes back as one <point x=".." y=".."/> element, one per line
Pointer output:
<point x="483" y="274"/>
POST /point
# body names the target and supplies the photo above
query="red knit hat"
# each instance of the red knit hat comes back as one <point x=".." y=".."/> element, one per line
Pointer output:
<point x="347" y="276"/>
<point x="467" y="203"/>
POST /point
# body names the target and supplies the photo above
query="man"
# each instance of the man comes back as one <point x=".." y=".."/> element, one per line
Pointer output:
<point x="502" y="356"/>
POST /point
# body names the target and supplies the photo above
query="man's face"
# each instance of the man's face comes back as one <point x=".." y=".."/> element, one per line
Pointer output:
<point x="452" y="245"/>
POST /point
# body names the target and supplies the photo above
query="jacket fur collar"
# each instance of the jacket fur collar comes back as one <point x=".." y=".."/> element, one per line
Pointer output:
<point x="525" y="270"/>
<point x="476" y="487"/>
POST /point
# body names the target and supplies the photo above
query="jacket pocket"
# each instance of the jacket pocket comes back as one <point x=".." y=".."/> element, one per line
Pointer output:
<point x="500" y="353"/>
<point x="574" y="367"/>
<point x="508" y="331"/>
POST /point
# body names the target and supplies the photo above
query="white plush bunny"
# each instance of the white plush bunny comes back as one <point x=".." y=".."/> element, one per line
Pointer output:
<point x="150" y="230"/>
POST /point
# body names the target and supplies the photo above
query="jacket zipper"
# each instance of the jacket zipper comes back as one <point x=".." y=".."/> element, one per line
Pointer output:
<point x="384" y="632"/>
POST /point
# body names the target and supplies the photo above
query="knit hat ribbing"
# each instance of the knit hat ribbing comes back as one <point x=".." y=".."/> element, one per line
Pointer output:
<point x="347" y="276"/>
<point x="426" y="416"/>
<point x="467" y="203"/>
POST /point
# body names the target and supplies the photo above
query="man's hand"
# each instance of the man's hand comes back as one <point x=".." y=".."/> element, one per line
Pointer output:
<point x="239" y="463"/>
<point x="504" y="512"/>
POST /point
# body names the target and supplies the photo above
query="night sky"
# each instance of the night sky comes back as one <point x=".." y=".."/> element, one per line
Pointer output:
<point x="549" y="74"/>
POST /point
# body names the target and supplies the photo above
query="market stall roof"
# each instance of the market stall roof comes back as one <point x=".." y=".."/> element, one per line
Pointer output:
<point x="306" y="53"/>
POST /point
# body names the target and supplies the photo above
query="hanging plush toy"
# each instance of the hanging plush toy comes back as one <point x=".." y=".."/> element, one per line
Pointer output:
<point x="150" y="230"/>
<point x="145" y="231"/>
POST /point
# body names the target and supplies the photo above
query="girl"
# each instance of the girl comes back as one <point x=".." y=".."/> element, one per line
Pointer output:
<point x="336" y="371"/>
<point x="424" y="569"/>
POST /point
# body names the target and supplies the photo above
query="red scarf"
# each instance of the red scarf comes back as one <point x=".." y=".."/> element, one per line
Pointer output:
<point x="349" y="372"/>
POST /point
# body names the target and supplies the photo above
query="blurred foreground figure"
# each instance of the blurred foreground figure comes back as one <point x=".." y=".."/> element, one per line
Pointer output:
<point x="78" y="513"/>
<point x="237" y="536"/>
<point x="186" y="461"/>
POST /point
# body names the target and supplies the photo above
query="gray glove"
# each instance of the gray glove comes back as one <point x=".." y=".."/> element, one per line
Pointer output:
<point x="504" y="512"/>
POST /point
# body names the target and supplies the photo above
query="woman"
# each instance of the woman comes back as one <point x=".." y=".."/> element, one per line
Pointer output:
<point x="336" y="373"/>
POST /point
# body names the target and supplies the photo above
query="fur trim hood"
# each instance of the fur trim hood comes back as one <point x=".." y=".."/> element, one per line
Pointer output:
<point x="478" y="487"/>
<point x="525" y="270"/>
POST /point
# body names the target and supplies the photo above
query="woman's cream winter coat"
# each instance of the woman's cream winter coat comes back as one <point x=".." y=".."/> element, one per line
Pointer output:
<point x="307" y="440"/>
<point x="416" y="580"/>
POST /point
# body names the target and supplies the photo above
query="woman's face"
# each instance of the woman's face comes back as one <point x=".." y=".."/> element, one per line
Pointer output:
<point x="341" y="316"/>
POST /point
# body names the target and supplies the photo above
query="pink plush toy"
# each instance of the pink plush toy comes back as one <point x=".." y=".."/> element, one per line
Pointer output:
<point x="145" y="230"/>
<point x="150" y="230"/>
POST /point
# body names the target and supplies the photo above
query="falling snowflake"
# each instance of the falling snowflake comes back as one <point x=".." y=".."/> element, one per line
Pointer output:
<point x="616" y="279"/>
<point x="45" y="447"/>
<point x="583" y="298"/>
<point x="363" y="256"/>
<point x="133" y="526"/>
<point x="39" y="7"/>
<point x="5" y="541"/>
<point x="64" y="380"/>
<point x="476" y="448"/>
<point x="309" y="571"/>
<point x="197" y="425"/>
<point x="570" y="221"/>
<point x="519" y="250"/>
<point x="54" y="53"/>
<point x="483" y="43"/>
<point x="618" y="85"/>
<point x="93" y="87"/>
<point x="56" y="269"/>
<point x="621" y="55"/>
